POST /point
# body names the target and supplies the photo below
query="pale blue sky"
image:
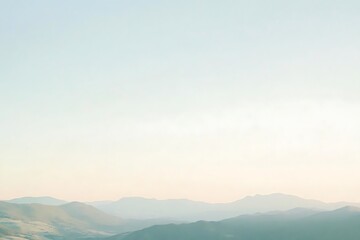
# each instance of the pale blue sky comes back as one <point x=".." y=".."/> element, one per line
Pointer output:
<point x="208" y="100"/>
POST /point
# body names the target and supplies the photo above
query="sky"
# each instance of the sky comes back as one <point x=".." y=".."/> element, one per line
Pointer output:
<point x="205" y="100"/>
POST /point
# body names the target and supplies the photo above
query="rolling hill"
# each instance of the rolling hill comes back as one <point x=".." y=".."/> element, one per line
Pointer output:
<point x="340" y="224"/>
<point x="69" y="220"/>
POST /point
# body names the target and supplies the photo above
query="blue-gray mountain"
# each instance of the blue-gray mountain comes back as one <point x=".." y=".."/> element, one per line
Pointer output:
<point x="187" y="210"/>
<point x="299" y="224"/>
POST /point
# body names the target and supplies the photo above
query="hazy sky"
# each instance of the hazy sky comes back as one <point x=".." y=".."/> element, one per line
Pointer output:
<point x="207" y="100"/>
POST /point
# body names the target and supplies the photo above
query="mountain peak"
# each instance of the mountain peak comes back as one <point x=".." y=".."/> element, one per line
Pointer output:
<point x="348" y="209"/>
<point x="272" y="196"/>
<point x="75" y="204"/>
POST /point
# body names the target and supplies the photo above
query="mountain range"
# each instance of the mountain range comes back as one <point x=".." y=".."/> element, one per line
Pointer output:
<point x="187" y="210"/>
<point x="41" y="218"/>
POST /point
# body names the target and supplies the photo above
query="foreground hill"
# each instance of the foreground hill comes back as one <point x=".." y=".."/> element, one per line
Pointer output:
<point x="341" y="224"/>
<point x="68" y="220"/>
<point x="187" y="210"/>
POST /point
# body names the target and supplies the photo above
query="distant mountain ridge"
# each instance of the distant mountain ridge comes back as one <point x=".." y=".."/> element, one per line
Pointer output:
<point x="40" y="200"/>
<point x="187" y="210"/>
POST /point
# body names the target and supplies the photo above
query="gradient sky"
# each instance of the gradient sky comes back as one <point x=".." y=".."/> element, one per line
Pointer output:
<point x="207" y="100"/>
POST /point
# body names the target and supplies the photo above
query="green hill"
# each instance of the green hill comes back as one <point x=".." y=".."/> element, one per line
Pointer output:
<point x="69" y="220"/>
<point x="341" y="224"/>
